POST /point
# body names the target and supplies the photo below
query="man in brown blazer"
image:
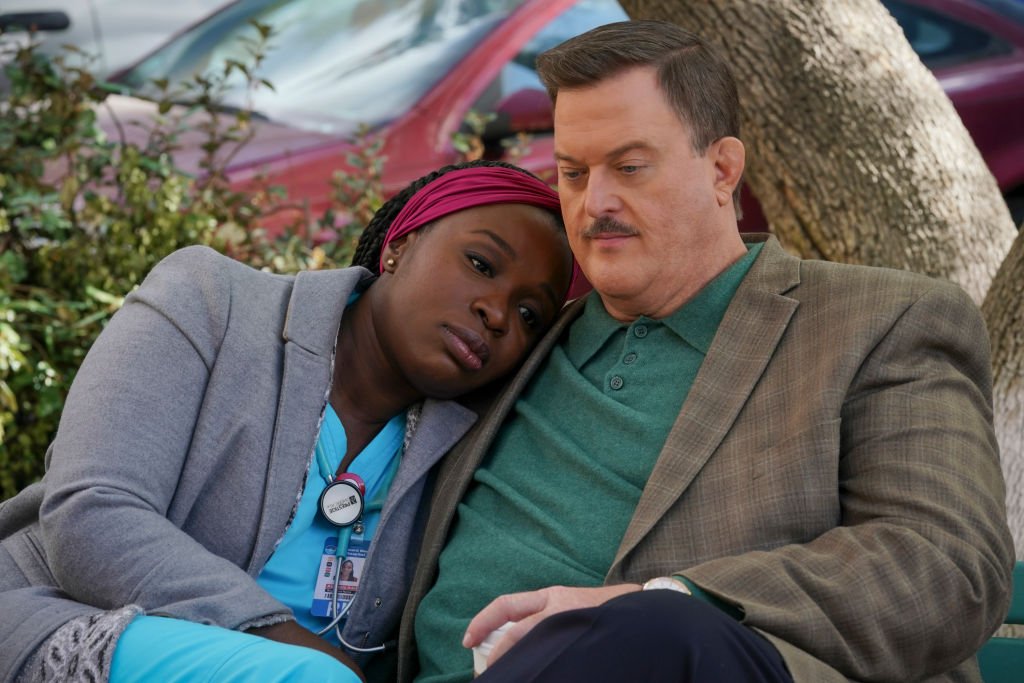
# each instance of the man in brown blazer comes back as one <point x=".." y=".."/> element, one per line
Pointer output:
<point x="726" y="463"/>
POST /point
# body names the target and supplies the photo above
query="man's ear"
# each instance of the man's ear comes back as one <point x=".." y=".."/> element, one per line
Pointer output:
<point x="398" y="249"/>
<point x="730" y="158"/>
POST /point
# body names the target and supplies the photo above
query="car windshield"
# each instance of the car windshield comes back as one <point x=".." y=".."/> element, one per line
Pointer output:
<point x="333" y="65"/>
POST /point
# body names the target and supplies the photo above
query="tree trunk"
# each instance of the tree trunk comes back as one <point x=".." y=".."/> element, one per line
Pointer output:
<point x="857" y="155"/>
<point x="1004" y="315"/>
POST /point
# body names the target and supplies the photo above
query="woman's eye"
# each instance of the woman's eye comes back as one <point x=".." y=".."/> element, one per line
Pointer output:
<point x="481" y="265"/>
<point x="529" y="316"/>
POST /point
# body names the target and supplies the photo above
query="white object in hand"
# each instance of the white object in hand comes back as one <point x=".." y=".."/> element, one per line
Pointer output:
<point x="482" y="651"/>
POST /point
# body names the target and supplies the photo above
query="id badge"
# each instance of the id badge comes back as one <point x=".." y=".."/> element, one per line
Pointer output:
<point x="350" y="567"/>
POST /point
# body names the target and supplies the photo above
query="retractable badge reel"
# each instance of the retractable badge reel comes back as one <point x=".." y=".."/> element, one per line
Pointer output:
<point x="342" y="502"/>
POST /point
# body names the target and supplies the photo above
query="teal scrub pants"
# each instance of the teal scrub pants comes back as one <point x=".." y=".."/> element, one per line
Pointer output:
<point x="178" y="651"/>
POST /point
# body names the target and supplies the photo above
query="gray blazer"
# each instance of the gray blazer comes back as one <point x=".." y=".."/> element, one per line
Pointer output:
<point x="181" y="454"/>
<point x="833" y="471"/>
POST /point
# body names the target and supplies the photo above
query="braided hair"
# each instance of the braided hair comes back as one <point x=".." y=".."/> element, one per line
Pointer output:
<point x="368" y="250"/>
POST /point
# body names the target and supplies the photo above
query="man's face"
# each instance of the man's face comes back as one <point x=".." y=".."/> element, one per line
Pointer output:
<point x="640" y="205"/>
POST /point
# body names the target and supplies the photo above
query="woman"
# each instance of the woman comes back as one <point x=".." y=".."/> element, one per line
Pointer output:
<point x="186" y="476"/>
<point x="347" y="573"/>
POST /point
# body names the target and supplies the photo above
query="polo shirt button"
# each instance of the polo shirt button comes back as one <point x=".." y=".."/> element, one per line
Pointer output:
<point x="616" y="383"/>
<point x="378" y="602"/>
<point x="640" y="331"/>
<point x="630" y="358"/>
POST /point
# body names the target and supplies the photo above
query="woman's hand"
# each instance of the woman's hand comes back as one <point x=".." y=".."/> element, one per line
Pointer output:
<point x="292" y="633"/>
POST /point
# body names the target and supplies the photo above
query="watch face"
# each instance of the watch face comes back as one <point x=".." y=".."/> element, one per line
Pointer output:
<point x="666" y="583"/>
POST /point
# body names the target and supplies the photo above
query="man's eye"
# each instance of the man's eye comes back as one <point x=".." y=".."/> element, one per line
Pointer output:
<point x="481" y="265"/>
<point x="529" y="316"/>
<point x="629" y="169"/>
<point x="570" y="173"/>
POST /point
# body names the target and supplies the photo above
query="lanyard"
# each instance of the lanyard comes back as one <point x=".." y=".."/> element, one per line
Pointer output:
<point x="378" y="463"/>
<point x="350" y="485"/>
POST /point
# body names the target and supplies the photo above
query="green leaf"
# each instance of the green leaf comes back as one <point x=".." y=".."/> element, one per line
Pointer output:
<point x="104" y="297"/>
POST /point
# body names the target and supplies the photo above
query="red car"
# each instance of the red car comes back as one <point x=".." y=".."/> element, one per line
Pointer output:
<point x="412" y="69"/>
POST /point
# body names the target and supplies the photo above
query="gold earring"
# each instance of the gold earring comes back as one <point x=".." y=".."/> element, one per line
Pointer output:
<point x="390" y="263"/>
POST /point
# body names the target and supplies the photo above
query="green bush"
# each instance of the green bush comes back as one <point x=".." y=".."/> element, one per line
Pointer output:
<point x="83" y="218"/>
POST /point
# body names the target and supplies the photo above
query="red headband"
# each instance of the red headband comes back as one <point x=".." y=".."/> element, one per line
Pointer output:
<point x="465" y="188"/>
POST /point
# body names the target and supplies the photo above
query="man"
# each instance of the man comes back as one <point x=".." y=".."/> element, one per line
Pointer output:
<point x="800" y="452"/>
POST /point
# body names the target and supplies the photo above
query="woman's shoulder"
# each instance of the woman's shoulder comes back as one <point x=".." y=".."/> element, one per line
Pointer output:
<point x="201" y="273"/>
<point x="200" y="292"/>
<point x="200" y="264"/>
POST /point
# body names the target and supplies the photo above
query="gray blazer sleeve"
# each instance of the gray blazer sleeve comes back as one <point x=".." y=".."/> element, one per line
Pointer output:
<point x="123" y="444"/>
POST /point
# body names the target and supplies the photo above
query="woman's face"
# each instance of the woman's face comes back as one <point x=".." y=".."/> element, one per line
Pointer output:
<point x="346" y="568"/>
<point x="471" y="295"/>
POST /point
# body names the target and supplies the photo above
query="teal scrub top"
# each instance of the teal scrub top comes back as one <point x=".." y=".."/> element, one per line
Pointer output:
<point x="291" y="573"/>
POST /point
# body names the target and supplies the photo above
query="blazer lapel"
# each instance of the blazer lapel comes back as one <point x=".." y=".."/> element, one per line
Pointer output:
<point x="746" y="339"/>
<point x="426" y="447"/>
<point x="310" y="330"/>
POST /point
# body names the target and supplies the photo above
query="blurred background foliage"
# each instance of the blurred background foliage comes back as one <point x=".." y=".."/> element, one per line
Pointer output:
<point x="83" y="218"/>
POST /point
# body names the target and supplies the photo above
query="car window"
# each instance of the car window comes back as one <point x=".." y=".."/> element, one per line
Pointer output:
<point x="520" y="72"/>
<point x="348" y="63"/>
<point x="1012" y="10"/>
<point x="942" y="41"/>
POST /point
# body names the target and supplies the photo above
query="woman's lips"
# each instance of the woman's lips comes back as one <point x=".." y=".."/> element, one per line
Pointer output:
<point x="468" y="347"/>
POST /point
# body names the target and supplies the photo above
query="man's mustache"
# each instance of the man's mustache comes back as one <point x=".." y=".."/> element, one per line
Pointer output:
<point x="606" y="225"/>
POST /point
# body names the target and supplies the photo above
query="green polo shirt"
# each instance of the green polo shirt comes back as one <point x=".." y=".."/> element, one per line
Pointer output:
<point x="550" y="504"/>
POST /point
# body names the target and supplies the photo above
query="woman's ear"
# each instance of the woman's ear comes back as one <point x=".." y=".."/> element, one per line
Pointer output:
<point x="729" y="158"/>
<point x="396" y="250"/>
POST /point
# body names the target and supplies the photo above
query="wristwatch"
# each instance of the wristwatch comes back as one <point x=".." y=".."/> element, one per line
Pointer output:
<point x="667" y="583"/>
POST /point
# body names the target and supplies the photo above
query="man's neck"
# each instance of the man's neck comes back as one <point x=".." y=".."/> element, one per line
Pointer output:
<point x="705" y="266"/>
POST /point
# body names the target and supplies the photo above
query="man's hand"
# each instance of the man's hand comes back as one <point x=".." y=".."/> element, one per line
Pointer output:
<point x="292" y="633"/>
<point x="530" y="608"/>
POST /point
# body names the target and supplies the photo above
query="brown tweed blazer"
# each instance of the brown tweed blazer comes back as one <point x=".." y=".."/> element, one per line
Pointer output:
<point x="833" y="472"/>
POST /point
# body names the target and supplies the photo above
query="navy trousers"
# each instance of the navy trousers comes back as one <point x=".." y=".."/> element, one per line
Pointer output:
<point x="657" y="636"/>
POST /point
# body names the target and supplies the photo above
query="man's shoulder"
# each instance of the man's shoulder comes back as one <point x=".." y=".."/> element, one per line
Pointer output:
<point x="872" y="283"/>
<point x="778" y="270"/>
<point x="863" y="302"/>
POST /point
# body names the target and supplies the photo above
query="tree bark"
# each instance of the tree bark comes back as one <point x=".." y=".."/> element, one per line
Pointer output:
<point x="1004" y="314"/>
<point x="856" y="155"/>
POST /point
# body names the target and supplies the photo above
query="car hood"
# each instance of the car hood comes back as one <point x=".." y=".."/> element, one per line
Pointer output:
<point x="131" y="119"/>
